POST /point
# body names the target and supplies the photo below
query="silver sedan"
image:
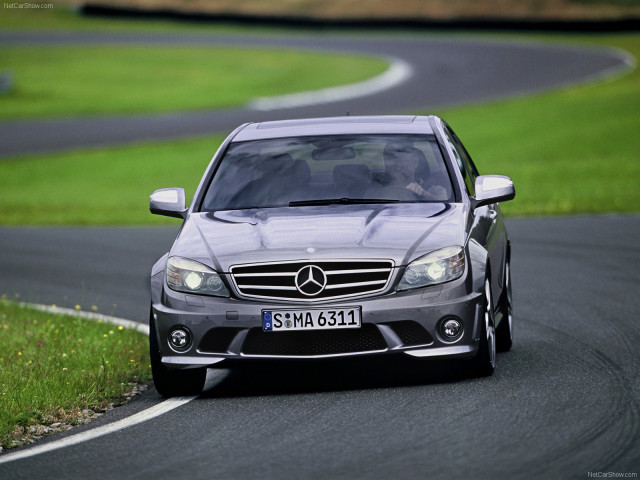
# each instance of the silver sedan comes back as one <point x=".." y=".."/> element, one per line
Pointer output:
<point x="332" y="237"/>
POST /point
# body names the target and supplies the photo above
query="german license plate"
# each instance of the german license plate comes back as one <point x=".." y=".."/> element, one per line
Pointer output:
<point x="312" y="319"/>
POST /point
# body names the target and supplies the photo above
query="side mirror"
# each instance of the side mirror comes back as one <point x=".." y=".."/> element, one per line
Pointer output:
<point x="493" y="189"/>
<point x="169" y="202"/>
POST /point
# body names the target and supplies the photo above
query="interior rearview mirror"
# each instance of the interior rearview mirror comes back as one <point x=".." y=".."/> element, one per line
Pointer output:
<point x="333" y="153"/>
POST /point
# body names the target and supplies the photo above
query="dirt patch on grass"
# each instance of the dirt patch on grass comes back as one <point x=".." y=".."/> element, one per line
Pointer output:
<point x="565" y="10"/>
<point x="63" y="420"/>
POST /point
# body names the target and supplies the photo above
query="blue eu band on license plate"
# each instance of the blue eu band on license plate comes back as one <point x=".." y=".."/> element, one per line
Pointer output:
<point x="290" y="320"/>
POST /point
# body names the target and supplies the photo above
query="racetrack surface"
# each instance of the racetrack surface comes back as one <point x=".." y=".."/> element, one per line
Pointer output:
<point x="446" y="71"/>
<point x="564" y="402"/>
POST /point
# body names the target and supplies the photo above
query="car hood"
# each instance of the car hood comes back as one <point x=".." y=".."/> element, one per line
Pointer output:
<point x="399" y="232"/>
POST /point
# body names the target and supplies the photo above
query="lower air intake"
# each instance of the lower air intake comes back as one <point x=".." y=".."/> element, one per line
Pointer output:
<point x="331" y="342"/>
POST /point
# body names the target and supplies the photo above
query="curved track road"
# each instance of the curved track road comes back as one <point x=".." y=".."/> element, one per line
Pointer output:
<point x="446" y="71"/>
<point x="564" y="402"/>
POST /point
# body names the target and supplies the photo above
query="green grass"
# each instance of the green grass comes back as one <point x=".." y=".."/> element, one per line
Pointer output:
<point x="52" y="367"/>
<point x="62" y="81"/>
<point x="570" y="151"/>
<point x="100" y="186"/>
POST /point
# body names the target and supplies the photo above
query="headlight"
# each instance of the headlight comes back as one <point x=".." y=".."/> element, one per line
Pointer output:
<point x="436" y="267"/>
<point x="188" y="276"/>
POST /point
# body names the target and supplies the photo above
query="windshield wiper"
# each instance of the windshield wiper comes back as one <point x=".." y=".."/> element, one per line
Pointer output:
<point x="341" y="201"/>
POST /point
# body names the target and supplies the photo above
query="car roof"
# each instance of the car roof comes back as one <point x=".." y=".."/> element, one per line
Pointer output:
<point x="383" y="124"/>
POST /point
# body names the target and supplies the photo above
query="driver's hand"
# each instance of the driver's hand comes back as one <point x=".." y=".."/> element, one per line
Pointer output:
<point x="417" y="189"/>
<point x="435" y="192"/>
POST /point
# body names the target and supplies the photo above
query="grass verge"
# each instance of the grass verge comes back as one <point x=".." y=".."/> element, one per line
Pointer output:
<point x="569" y="151"/>
<point x="62" y="80"/>
<point x="57" y="371"/>
<point x="100" y="186"/>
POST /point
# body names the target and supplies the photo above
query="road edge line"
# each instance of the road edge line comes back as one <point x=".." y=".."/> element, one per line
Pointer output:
<point x="398" y="72"/>
<point x="129" y="324"/>
<point x="87" y="435"/>
<point x="136" y="418"/>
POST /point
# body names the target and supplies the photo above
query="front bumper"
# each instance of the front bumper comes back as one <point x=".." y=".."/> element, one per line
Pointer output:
<point x="397" y="322"/>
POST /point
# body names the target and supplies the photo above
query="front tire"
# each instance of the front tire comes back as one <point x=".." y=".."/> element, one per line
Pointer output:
<point x="168" y="382"/>
<point x="484" y="363"/>
<point x="504" y="332"/>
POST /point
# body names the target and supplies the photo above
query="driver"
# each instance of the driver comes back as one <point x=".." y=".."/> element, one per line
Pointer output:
<point x="405" y="166"/>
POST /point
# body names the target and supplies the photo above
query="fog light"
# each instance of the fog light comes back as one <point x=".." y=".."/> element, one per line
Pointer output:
<point x="180" y="339"/>
<point x="451" y="329"/>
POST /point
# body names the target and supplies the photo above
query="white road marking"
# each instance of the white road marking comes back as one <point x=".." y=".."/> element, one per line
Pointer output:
<point x="128" y="324"/>
<point x="135" y="419"/>
<point x="628" y="63"/>
<point x="398" y="72"/>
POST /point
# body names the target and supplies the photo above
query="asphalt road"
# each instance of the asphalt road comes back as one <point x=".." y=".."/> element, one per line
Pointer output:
<point x="446" y="71"/>
<point x="564" y="402"/>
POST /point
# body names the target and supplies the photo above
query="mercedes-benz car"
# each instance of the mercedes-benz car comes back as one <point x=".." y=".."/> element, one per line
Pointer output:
<point x="332" y="237"/>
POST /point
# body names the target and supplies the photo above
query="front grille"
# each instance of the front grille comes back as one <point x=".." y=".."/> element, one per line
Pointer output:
<point x="327" y="342"/>
<point x="283" y="281"/>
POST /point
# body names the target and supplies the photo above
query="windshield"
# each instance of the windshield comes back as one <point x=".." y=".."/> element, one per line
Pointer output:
<point x="323" y="170"/>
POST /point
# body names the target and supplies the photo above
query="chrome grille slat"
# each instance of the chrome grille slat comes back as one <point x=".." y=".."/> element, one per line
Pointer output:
<point x="268" y="287"/>
<point x="367" y="270"/>
<point x="358" y="284"/>
<point x="275" y="274"/>
<point x="344" y="278"/>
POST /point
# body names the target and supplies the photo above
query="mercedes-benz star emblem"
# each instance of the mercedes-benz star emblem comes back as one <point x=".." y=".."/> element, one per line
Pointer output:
<point x="311" y="280"/>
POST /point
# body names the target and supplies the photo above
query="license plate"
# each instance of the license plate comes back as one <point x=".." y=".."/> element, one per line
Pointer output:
<point x="289" y="320"/>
